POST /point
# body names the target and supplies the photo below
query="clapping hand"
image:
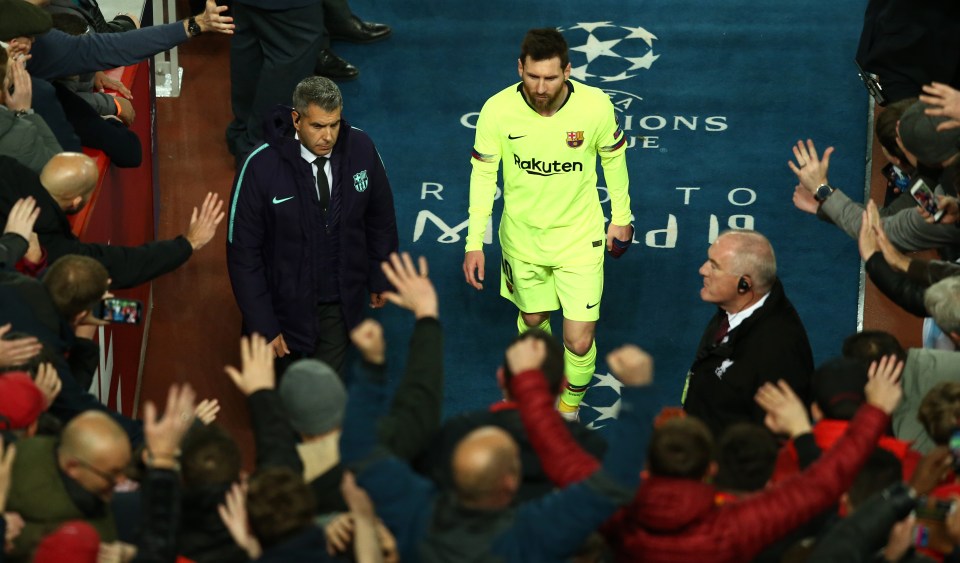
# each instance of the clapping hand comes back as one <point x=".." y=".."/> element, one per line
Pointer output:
<point x="810" y="170"/>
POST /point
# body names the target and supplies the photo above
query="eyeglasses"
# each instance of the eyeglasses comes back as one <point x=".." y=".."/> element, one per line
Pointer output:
<point x="111" y="478"/>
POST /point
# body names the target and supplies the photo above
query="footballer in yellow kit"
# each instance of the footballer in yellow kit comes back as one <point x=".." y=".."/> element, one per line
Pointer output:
<point x="548" y="131"/>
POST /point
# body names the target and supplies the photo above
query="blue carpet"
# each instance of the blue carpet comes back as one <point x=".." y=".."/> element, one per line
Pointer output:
<point x="716" y="91"/>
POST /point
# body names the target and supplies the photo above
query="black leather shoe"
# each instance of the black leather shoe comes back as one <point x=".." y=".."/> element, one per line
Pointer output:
<point x="330" y="64"/>
<point x="355" y="30"/>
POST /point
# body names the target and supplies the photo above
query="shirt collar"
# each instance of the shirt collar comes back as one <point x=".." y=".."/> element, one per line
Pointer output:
<point x="306" y="154"/>
<point x="736" y="318"/>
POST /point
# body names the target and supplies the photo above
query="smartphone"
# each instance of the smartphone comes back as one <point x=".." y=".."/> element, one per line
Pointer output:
<point x="925" y="198"/>
<point x="896" y="178"/>
<point x="954" y="445"/>
<point x="872" y="83"/>
<point x="116" y="310"/>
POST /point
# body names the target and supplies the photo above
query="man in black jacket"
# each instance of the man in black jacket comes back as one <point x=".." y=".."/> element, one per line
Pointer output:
<point x="64" y="187"/>
<point x="756" y="335"/>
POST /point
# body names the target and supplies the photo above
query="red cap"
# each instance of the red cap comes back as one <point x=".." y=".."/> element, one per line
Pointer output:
<point x="21" y="401"/>
<point x="74" y="542"/>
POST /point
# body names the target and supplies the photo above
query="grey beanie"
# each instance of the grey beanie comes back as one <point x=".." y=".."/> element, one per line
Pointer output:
<point x="313" y="397"/>
<point x="920" y="136"/>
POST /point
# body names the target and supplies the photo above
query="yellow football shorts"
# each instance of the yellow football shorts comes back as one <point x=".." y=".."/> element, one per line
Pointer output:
<point x="538" y="289"/>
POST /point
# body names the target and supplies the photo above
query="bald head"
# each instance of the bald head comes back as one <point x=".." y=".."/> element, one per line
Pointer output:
<point x="486" y="468"/>
<point x="753" y="256"/>
<point x="69" y="176"/>
<point x="92" y="432"/>
<point x="94" y="451"/>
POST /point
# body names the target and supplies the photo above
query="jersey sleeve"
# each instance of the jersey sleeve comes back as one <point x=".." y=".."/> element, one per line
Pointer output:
<point x="483" y="178"/>
<point x="612" y="148"/>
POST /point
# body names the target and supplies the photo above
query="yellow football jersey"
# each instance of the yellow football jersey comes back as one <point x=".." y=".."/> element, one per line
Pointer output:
<point x="551" y="210"/>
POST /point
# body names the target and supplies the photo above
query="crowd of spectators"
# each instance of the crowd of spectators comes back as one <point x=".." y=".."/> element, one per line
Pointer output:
<point x="770" y="459"/>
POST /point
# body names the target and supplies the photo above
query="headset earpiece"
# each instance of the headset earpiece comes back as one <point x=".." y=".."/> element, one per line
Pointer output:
<point x="743" y="285"/>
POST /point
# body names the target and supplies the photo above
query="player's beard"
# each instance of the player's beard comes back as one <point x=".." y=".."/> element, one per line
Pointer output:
<point x="545" y="103"/>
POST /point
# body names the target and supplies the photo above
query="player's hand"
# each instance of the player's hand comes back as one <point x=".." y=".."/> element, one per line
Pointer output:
<point x="212" y="19"/>
<point x="473" y="268"/>
<point x="619" y="239"/>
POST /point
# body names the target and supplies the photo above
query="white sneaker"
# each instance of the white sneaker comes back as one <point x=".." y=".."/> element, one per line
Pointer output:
<point x="571" y="416"/>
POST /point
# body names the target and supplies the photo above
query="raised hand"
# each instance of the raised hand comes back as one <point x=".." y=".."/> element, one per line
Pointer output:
<point x="785" y="411"/>
<point x="203" y="223"/>
<point x="946" y="102"/>
<point x="883" y="383"/>
<point x="810" y="170"/>
<point x="414" y="291"/>
<point x="212" y="19"/>
<point x="526" y="354"/>
<point x="163" y="435"/>
<point x="631" y="365"/>
<point x="206" y="411"/>
<point x="368" y="338"/>
<point x="233" y="513"/>
<point x="256" y="361"/>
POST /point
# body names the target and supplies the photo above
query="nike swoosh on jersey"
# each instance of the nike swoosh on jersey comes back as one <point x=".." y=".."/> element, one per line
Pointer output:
<point x="512" y="138"/>
<point x="589" y="306"/>
<point x="276" y="201"/>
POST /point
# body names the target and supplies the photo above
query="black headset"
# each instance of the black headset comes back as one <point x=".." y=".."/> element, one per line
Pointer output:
<point x="743" y="285"/>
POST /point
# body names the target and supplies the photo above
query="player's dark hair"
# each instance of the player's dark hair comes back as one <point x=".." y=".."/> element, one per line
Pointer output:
<point x="681" y="447"/>
<point x="871" y="345"/>
<point x="544" y="43"/>
<point x="552" y="367"/>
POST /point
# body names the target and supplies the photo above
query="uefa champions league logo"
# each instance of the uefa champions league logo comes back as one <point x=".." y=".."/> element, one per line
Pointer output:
<point x="607" y="53"/>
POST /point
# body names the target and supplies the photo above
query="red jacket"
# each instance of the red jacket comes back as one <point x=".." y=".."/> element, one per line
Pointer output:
<point x="677" y="520"/>
<point x="827" y="432"/>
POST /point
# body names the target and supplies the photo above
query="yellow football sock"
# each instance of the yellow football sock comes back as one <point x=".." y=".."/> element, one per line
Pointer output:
<point x="522" y="326"/>
<point x="579" y="371"/>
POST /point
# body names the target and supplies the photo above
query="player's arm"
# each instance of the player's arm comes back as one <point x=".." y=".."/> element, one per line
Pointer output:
<point x="483" y="189"/>
<point x="612" y="148"/>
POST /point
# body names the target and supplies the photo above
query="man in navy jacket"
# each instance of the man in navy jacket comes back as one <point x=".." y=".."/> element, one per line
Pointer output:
<point x="311" y="219"/>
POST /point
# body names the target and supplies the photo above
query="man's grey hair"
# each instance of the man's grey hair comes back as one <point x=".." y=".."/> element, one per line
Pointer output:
<point x="754" y="257"/>
<point x="942" y="301"/>
<point x="317" y="90"/>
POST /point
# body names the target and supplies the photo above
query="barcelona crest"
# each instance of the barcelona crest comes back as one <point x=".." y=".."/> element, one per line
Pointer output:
<point x="360" y="181"/>
<point x="574" y="139"/>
